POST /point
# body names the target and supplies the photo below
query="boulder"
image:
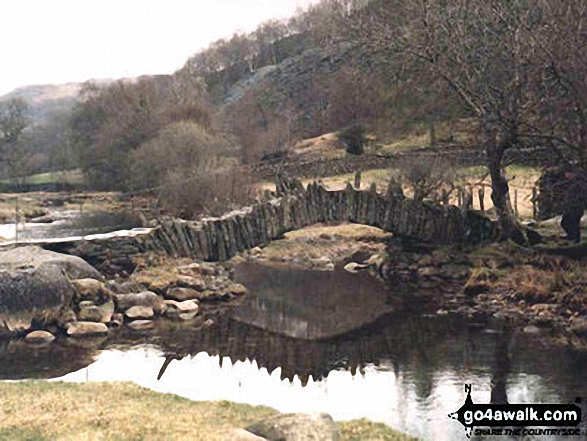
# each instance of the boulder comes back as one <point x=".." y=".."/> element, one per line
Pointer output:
<point x="33" y="257"/>
<point x="140" y="324"/>
<point x="41" y="293"/>
<point x="147" y="298"/>
<point x="354" y="267"/>
<point x="237" y="289"/>
<point x="90" y="314"/>
<point x="86" y="329"/>
<point x="181" y="294"/>
<point x="39" y="337"/>
<point x="196" y="283"/>
<point x="241" y="435"/>
<point x="139" y="313"/>
<point x="579" y="327"/>
<point x="117" y="320"/>
<point x="96" y="313"/>
<point x="181" y="310"/>
<point x="92" y="290"/>
<point x="297" y="427"/>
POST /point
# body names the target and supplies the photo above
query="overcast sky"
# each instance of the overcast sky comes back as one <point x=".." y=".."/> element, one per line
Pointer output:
<point x="60" y="41"/>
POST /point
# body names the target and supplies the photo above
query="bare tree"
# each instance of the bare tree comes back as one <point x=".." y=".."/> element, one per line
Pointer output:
<point x="14" y="119"/>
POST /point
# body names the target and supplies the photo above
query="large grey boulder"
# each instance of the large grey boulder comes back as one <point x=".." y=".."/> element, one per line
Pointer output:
<point x="35" y="285"/>
<point x="297" y="427"/>
<point x="40" y="294"/>
<point x="33" y="257"/>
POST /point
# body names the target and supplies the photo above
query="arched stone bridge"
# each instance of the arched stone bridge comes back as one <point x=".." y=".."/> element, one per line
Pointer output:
<point x="293" y="207"/>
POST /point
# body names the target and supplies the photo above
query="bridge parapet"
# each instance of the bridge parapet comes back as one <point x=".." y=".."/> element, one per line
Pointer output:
<point x="293" y="207"/>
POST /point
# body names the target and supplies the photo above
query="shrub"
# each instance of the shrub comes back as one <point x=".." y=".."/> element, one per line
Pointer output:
<point x="353" y="138"/>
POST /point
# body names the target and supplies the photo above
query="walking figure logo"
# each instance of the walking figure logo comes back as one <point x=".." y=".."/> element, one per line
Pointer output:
<point x="459" y="415"/>
<point x="514" y="419"/>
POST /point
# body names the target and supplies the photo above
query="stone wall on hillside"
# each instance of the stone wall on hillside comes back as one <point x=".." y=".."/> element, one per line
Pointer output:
<point x="455" y="155"/>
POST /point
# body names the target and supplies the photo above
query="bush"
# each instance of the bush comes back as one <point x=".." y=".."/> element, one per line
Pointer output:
<point x="426" y="174"/>
<point x="192" y="170"/>
<point x="189" y="193"/>
<point x="353" y="138"/>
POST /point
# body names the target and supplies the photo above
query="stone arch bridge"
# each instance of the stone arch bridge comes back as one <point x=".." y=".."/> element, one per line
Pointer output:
<point x="291" y="207"/>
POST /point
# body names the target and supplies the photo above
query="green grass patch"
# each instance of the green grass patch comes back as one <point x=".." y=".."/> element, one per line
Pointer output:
<point x="40" y="410"/>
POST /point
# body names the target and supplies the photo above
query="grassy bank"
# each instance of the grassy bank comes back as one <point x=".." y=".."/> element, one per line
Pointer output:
<point x="40" y="410"/>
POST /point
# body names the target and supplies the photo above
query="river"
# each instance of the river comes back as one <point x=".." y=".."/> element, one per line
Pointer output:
<point x="335" y="342"/>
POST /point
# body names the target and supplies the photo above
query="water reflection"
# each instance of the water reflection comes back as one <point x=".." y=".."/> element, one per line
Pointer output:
<point x="402" y="368"/>
<point x="280" y="301"/>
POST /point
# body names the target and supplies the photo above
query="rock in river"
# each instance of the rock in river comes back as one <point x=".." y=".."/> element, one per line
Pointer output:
<point x="181" y="310"/>
<point x="140" y="324"/>
<point x="147" y="298"/>
<point x="91" y="289"/>
<point x="34" y="293"/>
<point x="86" y="329"/>
<point x="140" y="313"/>
<point x="39" y="337"/>
<point x="181" y="294"/>
<point x="34" y="284"/>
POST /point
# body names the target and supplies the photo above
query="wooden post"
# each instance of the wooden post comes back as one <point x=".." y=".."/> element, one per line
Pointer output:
<point x="358" y="180"/>
<point x="444" y="197"/>
<point x="482" y="199"/>
<point x="459" y="197"/>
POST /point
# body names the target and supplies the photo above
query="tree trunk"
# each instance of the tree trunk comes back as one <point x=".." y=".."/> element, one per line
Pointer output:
<point x="500" y="192"/>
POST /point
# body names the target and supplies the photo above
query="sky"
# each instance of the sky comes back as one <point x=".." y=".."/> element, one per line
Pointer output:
<point x="61" y="41"/>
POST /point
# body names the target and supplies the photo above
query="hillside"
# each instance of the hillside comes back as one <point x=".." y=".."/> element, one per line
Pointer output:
<point x="47" y="100"/>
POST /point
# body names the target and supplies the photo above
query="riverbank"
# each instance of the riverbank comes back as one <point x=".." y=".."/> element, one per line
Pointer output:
<point x="40" y="410"/>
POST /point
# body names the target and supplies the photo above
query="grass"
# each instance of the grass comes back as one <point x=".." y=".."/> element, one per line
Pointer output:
<point x="38" y="410"/>
<point x="521" y="180"/>
<point x="518" y="274"/>
<point x="73" y="177"/>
